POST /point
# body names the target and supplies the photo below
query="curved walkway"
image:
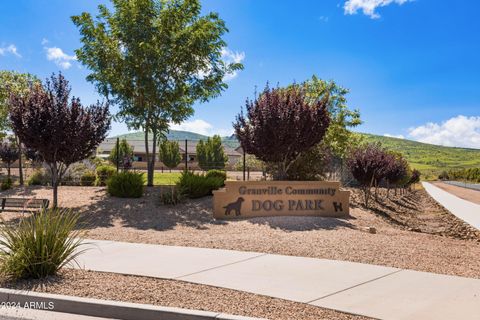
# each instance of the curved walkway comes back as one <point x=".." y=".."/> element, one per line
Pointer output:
<point x="369" y="290"/>
<point x="465" y="210"/>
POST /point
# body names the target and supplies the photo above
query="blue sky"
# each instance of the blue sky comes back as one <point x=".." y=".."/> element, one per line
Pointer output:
<point x="412" y="66"/>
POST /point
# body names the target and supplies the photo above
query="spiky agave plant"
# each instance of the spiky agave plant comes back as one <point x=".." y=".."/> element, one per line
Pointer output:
<point x="40" y="244"/>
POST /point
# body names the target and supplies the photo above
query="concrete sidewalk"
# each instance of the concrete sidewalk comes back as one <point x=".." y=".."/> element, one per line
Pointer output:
<point x="375" y="291"/>
<point x="463" y="209"/>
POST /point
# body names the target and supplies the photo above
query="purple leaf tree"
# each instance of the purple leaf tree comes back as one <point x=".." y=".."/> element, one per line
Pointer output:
<point x="280" y="125"/>
<point x="60" y="129"/>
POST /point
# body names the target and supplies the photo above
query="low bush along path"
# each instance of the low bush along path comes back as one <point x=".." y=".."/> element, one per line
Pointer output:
<point x="412" y="230"/>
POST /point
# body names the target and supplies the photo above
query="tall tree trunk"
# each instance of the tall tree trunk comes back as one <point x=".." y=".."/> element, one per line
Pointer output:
<point x="151" y="172"/>
<point x="54" y="172"/>
<point x="8" y="171"/>
<point x="147" y="153"/>
<point x="55" y="195"/>
<point x="366" y="192"/>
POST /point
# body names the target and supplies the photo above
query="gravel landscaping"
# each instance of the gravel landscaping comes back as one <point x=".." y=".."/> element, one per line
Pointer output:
<point x="174" y="294"/>
<point x="412" y="230"/>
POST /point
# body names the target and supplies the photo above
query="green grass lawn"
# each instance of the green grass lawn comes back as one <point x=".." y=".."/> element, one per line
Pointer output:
<point x="166" y="178"/>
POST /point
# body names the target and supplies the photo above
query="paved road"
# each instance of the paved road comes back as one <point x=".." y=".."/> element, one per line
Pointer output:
<point x="463" y="209"/>
<point x="375" y="291"/>
<point x="474" y="186"/>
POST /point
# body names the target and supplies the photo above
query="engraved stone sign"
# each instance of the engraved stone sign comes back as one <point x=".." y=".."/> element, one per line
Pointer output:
<point x="280" y="198"/>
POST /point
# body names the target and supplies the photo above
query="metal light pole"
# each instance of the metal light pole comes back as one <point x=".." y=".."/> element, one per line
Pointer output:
<point x="244" y="163"/>
<point x="118" y="153"/>
<point x="186" y="154"/>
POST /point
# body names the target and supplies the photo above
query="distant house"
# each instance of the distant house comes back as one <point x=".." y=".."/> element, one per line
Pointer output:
<point x="140" y="155"/>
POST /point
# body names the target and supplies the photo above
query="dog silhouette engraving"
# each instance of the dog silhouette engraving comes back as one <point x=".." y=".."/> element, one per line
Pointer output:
<point x="234" y="206"/>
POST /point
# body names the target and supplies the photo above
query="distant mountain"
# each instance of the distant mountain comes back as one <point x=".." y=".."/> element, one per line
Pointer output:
<point x="428" y="158"/>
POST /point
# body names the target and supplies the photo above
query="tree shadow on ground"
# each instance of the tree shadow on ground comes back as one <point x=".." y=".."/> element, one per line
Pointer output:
<point x="303" y="223"/>
<point x="148" y="213"/>
<point x="22" y="192"/>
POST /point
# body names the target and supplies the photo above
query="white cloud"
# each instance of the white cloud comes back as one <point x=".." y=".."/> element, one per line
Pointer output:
<point x="11" y="49"/>
<point x="230" y="56"/>
<point x="44" y="41"/>
<point x="398" y="136"/>
<point x="323" y="19"/>
<point x="60" y="58"/>
<point x="202" y="127"/>
<point x="368" y="7"/>
<point x="459" y="131"/>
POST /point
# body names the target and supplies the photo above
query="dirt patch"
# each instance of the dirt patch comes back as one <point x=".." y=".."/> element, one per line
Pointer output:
<point x="417" y="211"/>
<point x="464" y="193"/>
<point x="174" y="294"/>
<point x="438" y="247"/>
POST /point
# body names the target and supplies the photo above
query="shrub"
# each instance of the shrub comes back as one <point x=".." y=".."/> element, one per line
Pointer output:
<point x="88" y="179"/>
<point x="103" y="174"/>
<point x="6" y="184"/>
<point x="193" y="185"/>
<point x="170" y="196"/>
<point x="40" y="244"/>
<point x="126" y="184"/>
<point x="444" y="176"/>
<point x="217" y="174"/>
<point x="36" y="179"/>
<point x="368" y="164"/>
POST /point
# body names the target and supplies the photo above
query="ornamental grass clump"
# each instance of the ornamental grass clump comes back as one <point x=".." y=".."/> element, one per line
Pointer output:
<point x="40" y="244"/>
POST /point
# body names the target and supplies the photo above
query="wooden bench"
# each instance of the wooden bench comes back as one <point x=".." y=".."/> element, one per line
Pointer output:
<point x="23" y="204"/>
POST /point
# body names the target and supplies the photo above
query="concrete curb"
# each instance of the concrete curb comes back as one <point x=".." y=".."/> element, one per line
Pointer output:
<point x="106" y="308"/>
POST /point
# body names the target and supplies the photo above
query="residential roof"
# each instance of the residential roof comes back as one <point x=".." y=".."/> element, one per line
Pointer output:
<point x="139" y="146"/>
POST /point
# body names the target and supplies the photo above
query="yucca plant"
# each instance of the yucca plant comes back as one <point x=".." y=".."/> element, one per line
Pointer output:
<point x="40" y="244"/>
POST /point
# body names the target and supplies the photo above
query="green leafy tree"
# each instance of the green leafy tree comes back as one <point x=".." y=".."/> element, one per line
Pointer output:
<point x="19" y="84"/>
<point x="155" y="58"/>
<point x="339" y="139"/>
<point x="170" y="153"/>
<point x="125" y="150"/>
<point x="210" y="154"/>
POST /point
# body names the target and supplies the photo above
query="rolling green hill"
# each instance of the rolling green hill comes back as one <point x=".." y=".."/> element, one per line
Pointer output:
<point x="429" y="159"/>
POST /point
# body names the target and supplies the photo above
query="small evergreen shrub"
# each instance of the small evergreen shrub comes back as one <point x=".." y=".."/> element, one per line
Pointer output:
<point x="126" y="184"/>
<point x="6" y="184"/>
<point x="216" y="173"/>
<point x="36" y="179"/>
<point x="170" y="196"/>
<point x="88" y="179"/>
<point x="193" y="185"/>
<point x="104" y="172"/>
<point x="39" y="245"/>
